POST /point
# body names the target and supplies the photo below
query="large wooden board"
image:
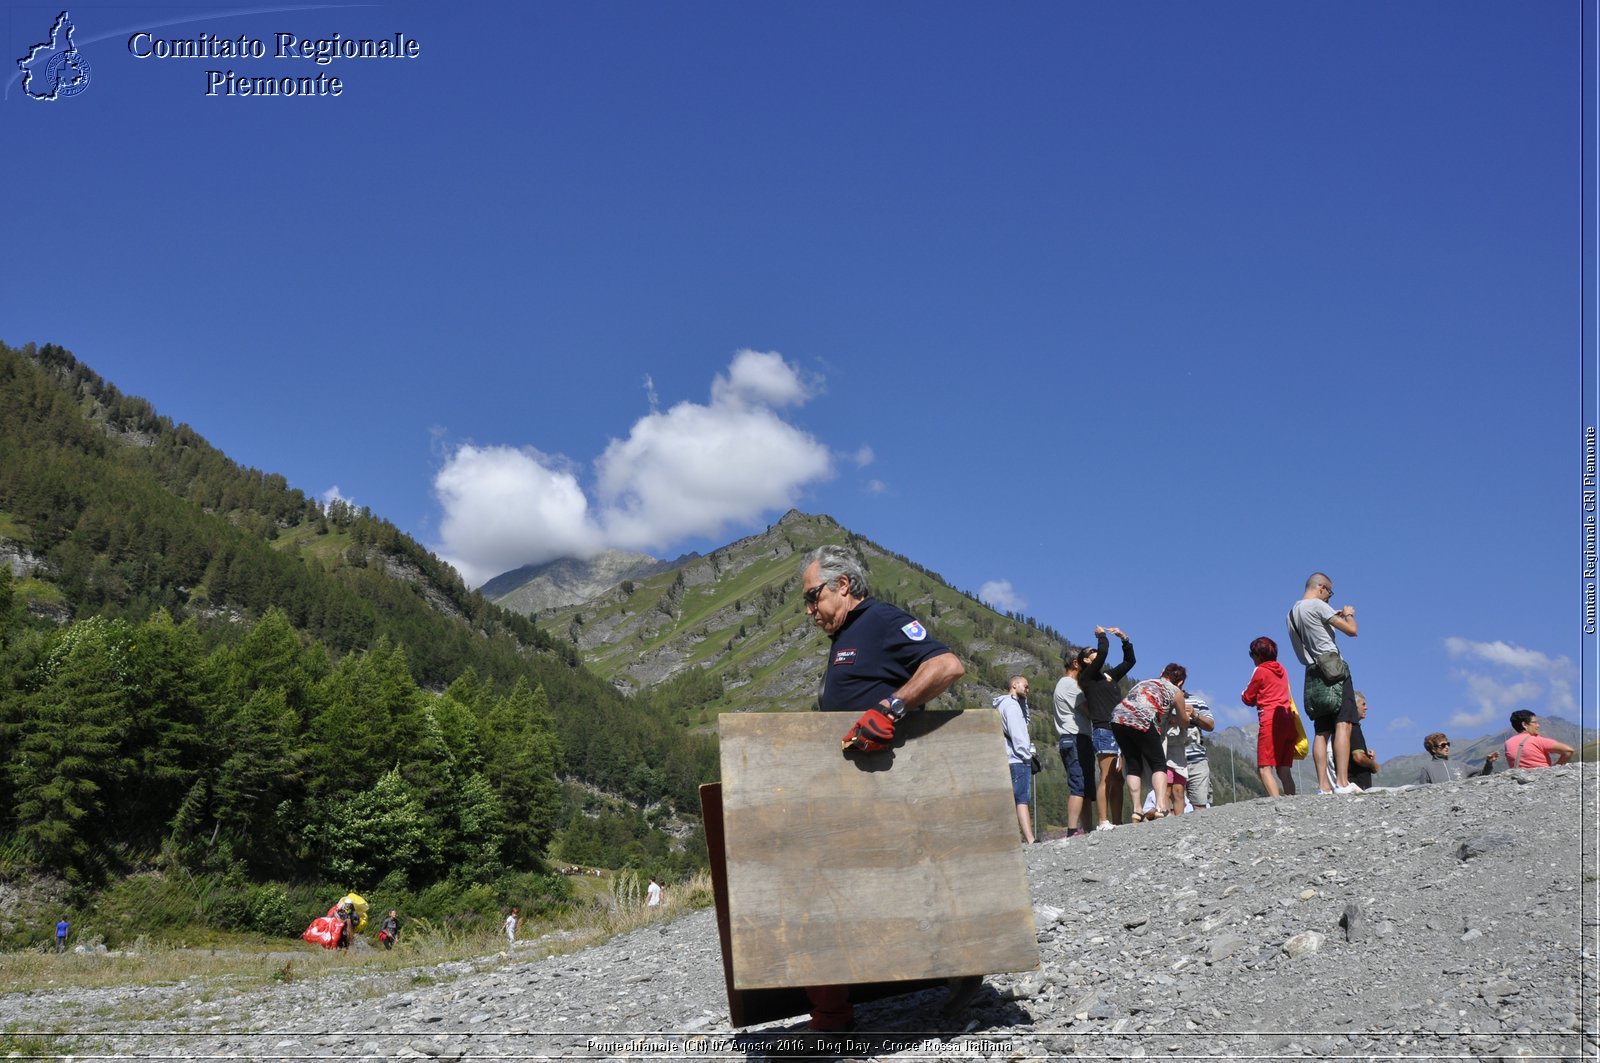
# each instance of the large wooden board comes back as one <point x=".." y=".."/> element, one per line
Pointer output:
<point x="871" y="867"/>
<point x="746" y="1007"/>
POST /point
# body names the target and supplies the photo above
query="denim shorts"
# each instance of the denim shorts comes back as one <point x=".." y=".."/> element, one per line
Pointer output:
<point x="1021" y="781"/>
<point x="1077" y="756"/>
<point x="1105" y="743"/>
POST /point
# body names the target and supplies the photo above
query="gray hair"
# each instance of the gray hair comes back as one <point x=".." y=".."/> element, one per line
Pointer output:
<point x="833" y="561"/>
<point x="1318" y="579"/>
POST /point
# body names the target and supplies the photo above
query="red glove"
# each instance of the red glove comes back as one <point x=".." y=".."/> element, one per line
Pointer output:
<point x="874" y="731"/>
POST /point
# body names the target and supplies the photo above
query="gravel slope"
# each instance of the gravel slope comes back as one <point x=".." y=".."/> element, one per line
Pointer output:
<point x="1446" y="921"/>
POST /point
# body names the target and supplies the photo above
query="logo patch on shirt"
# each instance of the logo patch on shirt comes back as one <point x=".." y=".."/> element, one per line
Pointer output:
<point x="844" y="657"/>
<point x="915" y="631"/>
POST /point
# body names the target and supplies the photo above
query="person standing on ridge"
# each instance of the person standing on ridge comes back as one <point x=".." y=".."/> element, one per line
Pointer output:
<point x="1312" y="627"/>
<point x="1076" y="743"/>
<point x="1020" y="754"/>
<point x="1101" y="695"/>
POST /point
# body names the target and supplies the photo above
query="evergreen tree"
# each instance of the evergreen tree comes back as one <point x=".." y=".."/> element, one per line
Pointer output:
<point x="165" y="738"/>
<point x="523" y="758"/>
<point x="375" y="833"/>
<point x="261" y="771"/>
<point x="355" y="729"/>
<point x="68" y="759"/>
<point x="474" y="852"/>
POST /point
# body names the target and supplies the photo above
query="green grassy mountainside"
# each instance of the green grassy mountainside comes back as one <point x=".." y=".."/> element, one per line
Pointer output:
<point x="731" y="625"/>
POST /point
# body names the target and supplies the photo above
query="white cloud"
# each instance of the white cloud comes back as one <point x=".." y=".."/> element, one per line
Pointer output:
<point x="696" y="469"/>
<point x="1001" y="595"/>
<point x="1510" y="656"/>
<point x="333" y="494"/>
<point x="691" y="470"/>
<point x="759" y="378"/>
<point x="876" y="487"/>
<point x="505" y="507"/>
<point x="864" y="457"/>
<point x="1493" y="700"/>
<point x="1234" y="715"/>
<point x="1402" y="725"/>
<point x="1517" y="677"/>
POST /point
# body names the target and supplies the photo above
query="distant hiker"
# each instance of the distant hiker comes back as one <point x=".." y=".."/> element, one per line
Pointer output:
<point x="881" y="660"/>
<point x="1439" y="768"/>
<point x="1528" y="748"/>
<point x="1020" y="754"/>
<point x="389" y="929"/>
<point x="1276" y="736"/>
<point x="1329" y="691"/>
<point x="1100" y="695"/>
<point x="1198" y="790"/>
<point x="511" y="926"/>
<point x="653" y="895"/>
<point x="62" y="929"/>
<point x="347" y="923"/>
<point x="1076" y="744"/>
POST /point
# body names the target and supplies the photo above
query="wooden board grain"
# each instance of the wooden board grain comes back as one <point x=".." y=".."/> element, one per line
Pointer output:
<point x="746" y="1007"/>
<point x="880" y="867"/>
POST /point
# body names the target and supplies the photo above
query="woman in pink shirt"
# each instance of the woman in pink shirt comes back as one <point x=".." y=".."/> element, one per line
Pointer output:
<point x="1528" y="748"/>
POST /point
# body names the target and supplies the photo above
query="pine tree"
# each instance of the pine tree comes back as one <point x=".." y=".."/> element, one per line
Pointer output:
<point x="69" y="760"/>
<point x="522" y="760"/>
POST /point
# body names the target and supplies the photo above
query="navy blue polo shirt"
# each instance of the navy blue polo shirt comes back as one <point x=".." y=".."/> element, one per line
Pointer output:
<point x="874" y="652"/>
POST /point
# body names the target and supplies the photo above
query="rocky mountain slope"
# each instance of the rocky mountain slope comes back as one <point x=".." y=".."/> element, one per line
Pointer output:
<point x="736" y="614"/>
<point x="566" y="581"/>
<point x="1452" y="921"/>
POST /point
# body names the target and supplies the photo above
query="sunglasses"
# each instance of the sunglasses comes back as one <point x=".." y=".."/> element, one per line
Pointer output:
<point x="811" y="596"/>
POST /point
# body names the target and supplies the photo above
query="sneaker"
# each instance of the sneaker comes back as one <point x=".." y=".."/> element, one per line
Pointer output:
<point x="1075" y="832"/>
<point x="1348" y="788"/>
<point x="1106" y="824"/>
<point x="1324" y="793"/>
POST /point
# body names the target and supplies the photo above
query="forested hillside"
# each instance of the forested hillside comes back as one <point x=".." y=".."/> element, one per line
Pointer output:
<point x="198" y="661"/>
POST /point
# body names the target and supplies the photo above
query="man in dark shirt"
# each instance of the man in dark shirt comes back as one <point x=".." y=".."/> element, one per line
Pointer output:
<point x="882" y="663"/>
<point x="1363" y="762"/>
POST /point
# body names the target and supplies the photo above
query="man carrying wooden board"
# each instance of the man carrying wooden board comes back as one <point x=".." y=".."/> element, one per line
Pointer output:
<point x="882" y="663"/>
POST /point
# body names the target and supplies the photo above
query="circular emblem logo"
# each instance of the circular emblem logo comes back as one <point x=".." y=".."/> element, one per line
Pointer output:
<point x="67" y="73"/>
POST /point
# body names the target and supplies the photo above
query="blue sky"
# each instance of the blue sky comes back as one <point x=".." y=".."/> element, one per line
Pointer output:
<point x="1131" y="314"/>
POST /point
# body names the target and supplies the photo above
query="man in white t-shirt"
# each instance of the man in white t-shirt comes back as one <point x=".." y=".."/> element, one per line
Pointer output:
<point x="653" y="895"/>
<point x="1076" y="745"/>
<point x="511" y="927"/>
